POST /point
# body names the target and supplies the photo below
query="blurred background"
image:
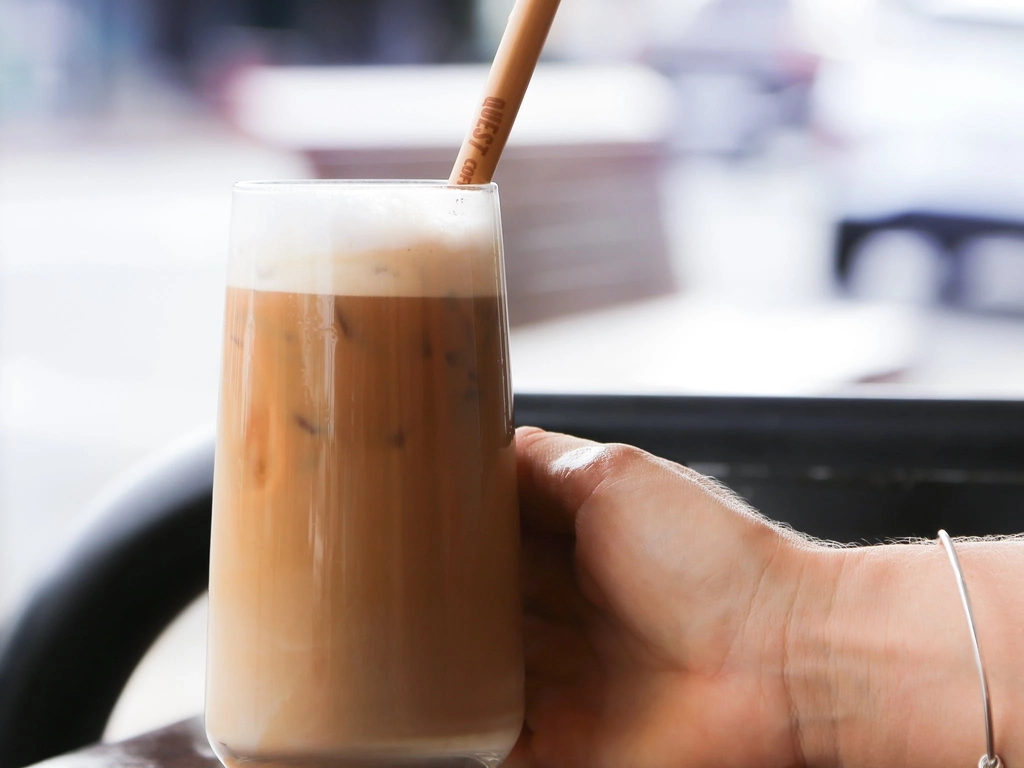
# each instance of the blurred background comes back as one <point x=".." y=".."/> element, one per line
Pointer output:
<point x="765" y="197"/>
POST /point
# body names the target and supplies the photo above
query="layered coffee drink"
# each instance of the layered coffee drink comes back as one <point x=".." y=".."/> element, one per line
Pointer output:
<point x="364" y="597"/>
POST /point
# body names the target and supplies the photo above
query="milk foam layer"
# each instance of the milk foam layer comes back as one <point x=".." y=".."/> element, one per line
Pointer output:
<point x="372" y="239"/>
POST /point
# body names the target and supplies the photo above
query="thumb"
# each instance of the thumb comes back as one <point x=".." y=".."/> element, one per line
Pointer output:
<point x="560" y="474"/>
<point x="654" y="538"/>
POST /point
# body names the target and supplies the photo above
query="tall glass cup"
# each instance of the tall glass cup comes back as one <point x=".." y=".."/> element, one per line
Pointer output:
<point x="364" y="595"/>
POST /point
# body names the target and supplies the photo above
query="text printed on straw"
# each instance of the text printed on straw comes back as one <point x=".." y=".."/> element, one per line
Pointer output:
<point x="486" y="128"/>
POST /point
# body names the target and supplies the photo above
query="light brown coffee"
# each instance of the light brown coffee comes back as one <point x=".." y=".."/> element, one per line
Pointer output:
<point x="364" y="604"/>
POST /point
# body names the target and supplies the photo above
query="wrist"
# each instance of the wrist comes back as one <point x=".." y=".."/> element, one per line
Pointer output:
<point x="882" y="669"/>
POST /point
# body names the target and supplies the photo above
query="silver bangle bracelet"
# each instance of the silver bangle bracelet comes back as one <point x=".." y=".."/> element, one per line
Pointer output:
<point x="990" y="759"/>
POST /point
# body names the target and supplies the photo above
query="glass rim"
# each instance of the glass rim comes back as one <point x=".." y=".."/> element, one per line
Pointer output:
<point x="285" y="185"/>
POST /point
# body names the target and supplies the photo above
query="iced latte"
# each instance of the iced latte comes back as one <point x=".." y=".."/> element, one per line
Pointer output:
<point x="364" y="603"/>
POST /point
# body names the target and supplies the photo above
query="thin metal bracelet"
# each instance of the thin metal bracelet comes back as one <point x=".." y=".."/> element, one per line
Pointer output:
<point x="990" y="759"/>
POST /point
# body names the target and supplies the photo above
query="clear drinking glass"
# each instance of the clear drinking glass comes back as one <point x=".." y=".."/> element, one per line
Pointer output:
<point x="364" y="595"/>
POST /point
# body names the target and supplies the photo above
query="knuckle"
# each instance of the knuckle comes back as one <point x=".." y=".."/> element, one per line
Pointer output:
<point x="618" y="459"/>
<point x="614" y="467"/>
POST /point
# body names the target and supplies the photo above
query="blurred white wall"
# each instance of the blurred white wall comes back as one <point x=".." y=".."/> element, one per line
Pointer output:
<point x="112" y="262"/>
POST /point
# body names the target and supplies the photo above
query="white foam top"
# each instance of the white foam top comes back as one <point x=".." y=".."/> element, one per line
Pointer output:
<point x="352" y="239"/>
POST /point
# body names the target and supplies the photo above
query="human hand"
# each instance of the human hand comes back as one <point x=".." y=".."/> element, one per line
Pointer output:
<point x="669" y="625"/>
<point x="657" y="611"/>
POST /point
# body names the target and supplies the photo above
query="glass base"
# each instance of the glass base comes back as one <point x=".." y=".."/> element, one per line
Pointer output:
<point x="360" y="759"/>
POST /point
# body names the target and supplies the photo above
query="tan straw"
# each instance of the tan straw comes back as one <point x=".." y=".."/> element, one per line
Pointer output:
<point x="510" y="74"/>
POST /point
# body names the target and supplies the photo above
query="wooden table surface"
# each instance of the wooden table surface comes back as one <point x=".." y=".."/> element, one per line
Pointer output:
<point x="178" y="746"/>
